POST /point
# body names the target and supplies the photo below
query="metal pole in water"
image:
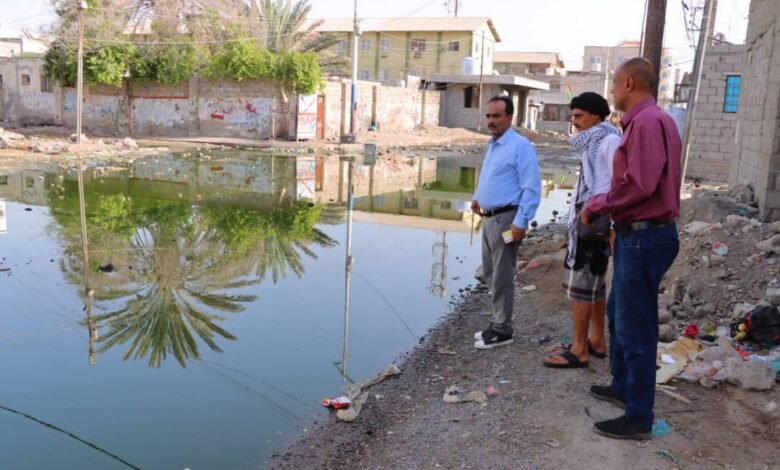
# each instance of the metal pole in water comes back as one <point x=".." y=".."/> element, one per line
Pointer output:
<point x="347" y="273"/>
<point x="80" y="70"/>
<point x="353" y="105"/>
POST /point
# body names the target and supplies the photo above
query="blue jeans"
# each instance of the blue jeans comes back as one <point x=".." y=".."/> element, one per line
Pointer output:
<point x="640" y="262"/>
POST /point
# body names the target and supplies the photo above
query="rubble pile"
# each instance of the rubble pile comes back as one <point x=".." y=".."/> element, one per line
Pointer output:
<point x="726" y="274"/>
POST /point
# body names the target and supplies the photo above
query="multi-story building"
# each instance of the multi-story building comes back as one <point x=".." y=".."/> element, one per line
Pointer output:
<point x="528" y="63"/>
<point x="605" y="59"/>
<point x="393" y="49"/>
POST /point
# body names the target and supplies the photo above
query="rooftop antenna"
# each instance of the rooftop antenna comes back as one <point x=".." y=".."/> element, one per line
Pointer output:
<point x="452" y="7"/>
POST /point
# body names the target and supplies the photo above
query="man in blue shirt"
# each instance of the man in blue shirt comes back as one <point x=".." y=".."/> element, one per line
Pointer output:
<point x="507" y="196"/>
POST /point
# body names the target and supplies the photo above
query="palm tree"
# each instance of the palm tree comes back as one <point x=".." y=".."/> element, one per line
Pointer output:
<point x="285" y="27"/>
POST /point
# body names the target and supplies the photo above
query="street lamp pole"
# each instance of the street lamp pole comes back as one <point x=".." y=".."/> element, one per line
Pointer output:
<point x="353" y="104"/>
<point x="80" y="6"/>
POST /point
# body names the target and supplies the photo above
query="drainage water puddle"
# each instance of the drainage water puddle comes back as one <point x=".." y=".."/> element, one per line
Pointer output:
<point x="210" y="319"/>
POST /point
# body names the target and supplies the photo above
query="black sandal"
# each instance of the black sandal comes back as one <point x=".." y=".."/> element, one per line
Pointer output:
<point x="594" y="353"/>
<point x="573" y="362"/>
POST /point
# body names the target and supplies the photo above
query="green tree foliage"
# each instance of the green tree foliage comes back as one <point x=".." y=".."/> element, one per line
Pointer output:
<point x="166" y="64"/>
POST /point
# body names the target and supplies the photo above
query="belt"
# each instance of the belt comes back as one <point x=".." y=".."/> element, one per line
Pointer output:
<point x="625" y="227"/>
<point x="497" y="211"/>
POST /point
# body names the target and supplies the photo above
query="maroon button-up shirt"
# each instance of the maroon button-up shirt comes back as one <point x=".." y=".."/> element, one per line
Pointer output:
<point x="646" y="168"/>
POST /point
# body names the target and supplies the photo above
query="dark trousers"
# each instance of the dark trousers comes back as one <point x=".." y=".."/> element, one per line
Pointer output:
<point x="640" y="262"/>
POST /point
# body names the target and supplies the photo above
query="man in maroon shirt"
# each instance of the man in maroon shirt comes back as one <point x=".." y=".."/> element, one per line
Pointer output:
<point x="644" y="202"/>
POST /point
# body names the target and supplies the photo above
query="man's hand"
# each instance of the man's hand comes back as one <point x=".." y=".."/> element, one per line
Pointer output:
<point x="475" y="207"/>
<point x="517" y="233"/>
<point x="586" y="216"/>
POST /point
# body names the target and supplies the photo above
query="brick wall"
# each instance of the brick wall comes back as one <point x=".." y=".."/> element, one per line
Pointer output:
<point x="713" y="136"/>
<point x="758" y="132"/>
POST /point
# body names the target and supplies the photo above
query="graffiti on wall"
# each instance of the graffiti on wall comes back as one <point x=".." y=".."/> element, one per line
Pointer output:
<point x="252" y="114"/>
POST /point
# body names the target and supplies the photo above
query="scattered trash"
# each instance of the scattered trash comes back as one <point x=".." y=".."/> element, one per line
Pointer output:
<point x="719" y="248"/>
<point x="554" y="443"/>
<point x="492" y="391"/>
<point x="660" y="428"/>
<point x="530" y="288"/>
<point x="667" y="359"/>
<point x="452" y="395"/>
<point x="446" y="351"/>
<point x="668" y="391"/>
<point x="336" y="403"/>
<point x="666" y="454"/>
<point x="691" y="331"/>
<point x="358" y="397"/>
<point x="504" y="382"/>
<point x="683" y="351"/>
<point x="106" y="268"/>
<point x="723" y="363"/>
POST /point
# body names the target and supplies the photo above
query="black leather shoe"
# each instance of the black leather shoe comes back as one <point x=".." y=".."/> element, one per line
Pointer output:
<point x="623" y="428"/>
<point x="605" y="393"/>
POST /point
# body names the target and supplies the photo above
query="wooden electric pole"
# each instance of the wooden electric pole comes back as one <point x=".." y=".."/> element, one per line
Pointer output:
<point x="652" y="48"/>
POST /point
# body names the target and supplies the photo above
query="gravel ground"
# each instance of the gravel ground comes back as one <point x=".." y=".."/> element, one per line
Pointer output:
<point x="541" y="419"/>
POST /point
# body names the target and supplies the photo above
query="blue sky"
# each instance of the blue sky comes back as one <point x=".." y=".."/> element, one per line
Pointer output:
<point x="563" y="26"/>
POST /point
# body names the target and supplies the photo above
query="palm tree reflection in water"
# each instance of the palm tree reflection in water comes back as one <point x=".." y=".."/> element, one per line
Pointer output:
<point x="174" y="264"/>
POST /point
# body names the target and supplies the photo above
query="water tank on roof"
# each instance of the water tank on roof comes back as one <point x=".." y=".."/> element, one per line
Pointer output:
<point x="469" y="66"/>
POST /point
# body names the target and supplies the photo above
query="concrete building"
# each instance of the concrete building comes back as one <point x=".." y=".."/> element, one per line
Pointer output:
<point x="757" y="161"/>
<point x="606" y="59"/>
<point x="392" y="49"/>
<point x="26" y="92"/>
<point x="460" y="105"/>
<point x="528" y="63"/>
<point x="14" y="43"/>
<point x="554" y="112"/>
<point x="715" y="125"/>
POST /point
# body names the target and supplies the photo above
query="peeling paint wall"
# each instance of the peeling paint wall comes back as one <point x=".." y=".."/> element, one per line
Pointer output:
<point x="24" y="97"/>
<point x="253" y="109"/>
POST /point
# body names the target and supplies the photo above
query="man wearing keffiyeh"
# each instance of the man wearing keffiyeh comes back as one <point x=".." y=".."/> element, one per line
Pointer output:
<point x="585" y="267"/>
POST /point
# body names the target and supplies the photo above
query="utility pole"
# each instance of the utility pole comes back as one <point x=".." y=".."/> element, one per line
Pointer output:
<point x="705" y="35"/>
<point x="652" y="49"/>
<point x="352" y="137"/>
<point x="481" y="77"/>
<point x="80" y="6"/>
<point x="607" y="74"/>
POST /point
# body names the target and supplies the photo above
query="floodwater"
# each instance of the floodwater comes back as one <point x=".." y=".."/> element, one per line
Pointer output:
<point x="210" y="320"/>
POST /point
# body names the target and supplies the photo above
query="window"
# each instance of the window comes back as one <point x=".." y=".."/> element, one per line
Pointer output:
<point x="663" y="88"/>
<point x="1" y="80"/>
<point x="594" y="60"/>
<point x="621" y="59"/>
<point x="4" y="180"/>
<point x="26" y="80"/>
<point x="476" y="48"/>
<point x="383" y="75"/>
<point x="470" y="97"/>
<point x="454" y="46"/>
<point x="364" y="74"/>
<point x="411" y="203"/>
<point x="341" y="47"/>
<point x="365" y="45"/>
<point x="29" y="182"/>
<point x="445" y="205"/>
<point x="487" y="52"/>
<point x="418" y="45"/>
<point x="384" y="47"/>
<point x="45" y="84"/>
<point x="667" y="60"/>
<point x="731" y="101"/>
<point x="665" y="75"/>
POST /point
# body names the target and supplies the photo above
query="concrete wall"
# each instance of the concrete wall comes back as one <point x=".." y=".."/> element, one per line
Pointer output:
<point x="252" y="109"/>
<point x="26" y="99"/>
<point x="392" y="109"/>
<point x="454" y="113"/>
<point x="758" y="132"/>
<point x="713" y="137"/>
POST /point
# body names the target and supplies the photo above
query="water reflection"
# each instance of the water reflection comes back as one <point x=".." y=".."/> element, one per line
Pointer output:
<point x="166" y="271"/>
<point x="174" y="246"/>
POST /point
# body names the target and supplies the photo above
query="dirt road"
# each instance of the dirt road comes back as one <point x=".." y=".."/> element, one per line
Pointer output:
<point x="542" y="418"/>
